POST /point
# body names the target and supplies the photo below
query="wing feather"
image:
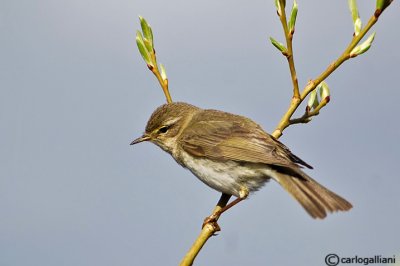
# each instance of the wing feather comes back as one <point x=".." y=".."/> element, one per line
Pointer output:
<point x="223" y="136"/>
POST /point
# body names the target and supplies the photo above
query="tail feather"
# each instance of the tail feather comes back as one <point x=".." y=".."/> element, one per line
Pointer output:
<point x="315" y="199"/>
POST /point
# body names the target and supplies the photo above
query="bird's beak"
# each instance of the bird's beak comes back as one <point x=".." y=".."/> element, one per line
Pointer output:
<point x="140" y="139"/>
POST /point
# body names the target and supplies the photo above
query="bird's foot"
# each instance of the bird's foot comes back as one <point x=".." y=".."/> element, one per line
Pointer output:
<point x="212" y="220"/>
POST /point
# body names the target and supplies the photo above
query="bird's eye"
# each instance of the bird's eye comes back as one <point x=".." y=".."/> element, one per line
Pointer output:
<point x="163" y="129"/>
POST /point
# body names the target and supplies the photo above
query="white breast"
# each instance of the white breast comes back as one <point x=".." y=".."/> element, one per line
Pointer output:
<point x="228" y="177"/>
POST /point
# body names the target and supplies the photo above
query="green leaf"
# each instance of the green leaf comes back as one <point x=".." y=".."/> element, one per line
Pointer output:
<point x="324" y="91"/>
<point x="278" y="7"/>
<point x="163" y="73"/>
<point x="293" y="16"/>
<point x="313" y="100"/>
<point x="148" y="45"/>
<point x="147" y="32"/>
<point x="278" y="45"/>
<point x="355" y="16"/>
<point x="357" y="26"/>
<point x="142" y="48"/>
<point x="353" y="9"/>
<point x="383" y="4"/>
<point x="362" y="48"/>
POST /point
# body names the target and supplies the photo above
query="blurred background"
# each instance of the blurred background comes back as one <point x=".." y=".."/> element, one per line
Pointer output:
<point x="74" y="91"/>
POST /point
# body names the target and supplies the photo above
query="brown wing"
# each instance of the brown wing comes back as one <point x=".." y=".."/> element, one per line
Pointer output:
<point x="223" y="136"/>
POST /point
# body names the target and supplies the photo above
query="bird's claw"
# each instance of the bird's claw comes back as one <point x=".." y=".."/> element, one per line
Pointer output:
<point x="211" y="220"/>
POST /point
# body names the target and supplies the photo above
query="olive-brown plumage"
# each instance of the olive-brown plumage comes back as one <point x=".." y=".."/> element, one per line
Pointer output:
<point x="234" y="155"/>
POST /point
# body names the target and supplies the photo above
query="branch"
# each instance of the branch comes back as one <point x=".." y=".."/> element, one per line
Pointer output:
<point x="162" y="80"/>
<point x="289" y="32"/>
<point x="308" y="114"/>
<point x="287" y="51"/>
<point x="350" y="52"/>
<point x="209" y="229"/>
<point x="144" y="41"/>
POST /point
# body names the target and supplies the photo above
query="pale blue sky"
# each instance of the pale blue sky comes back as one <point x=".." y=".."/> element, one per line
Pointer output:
<point x="74" y="92"/>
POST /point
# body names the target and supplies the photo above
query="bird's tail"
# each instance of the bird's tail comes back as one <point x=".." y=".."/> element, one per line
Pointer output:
<point x="315" y="199"/>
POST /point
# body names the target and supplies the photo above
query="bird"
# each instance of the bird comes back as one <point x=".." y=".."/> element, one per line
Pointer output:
<point x="235" y="156"/>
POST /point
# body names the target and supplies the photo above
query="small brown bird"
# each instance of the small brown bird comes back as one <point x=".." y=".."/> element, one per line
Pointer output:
<point x="234" y="155"/>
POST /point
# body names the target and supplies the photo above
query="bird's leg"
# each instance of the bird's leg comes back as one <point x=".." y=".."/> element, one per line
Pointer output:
<point x="242" y="195"/>
<point x="223" y="201"/>
<point x="217" y="213"/>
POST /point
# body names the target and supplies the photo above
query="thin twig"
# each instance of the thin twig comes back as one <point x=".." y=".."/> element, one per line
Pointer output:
<point x="145" y="44"/>
<point x="163" y="83"/>
<point x="306" y="117"/>
<point x="285" y="120"/>
<point x="157" y="73"/>
<point x="289" y="52"/>
<point x="209" y="229"/>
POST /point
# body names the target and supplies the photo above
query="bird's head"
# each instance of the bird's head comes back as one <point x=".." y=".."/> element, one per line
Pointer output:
<point x="166" y="123"/>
